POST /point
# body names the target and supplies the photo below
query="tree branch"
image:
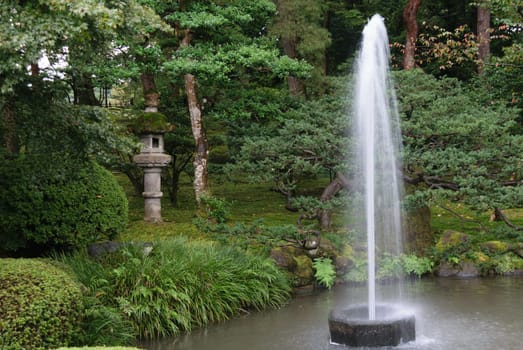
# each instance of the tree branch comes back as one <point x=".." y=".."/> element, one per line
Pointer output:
<point x="499" y="213"/>
<point x="461" y="217"/>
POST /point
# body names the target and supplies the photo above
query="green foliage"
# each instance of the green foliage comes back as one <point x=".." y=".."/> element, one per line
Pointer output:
<point x="217" y="209"/>
<point x="40" y="305"/>
<point x="462" y="145"/>
<point x="414" y="265"/>
<point x="391" y="267"/>
<point x="299" y="24"/>
<point x="359" y="272"/>
<point x="220" y="64"/>
<point x="50" y="25"/>
<point x="47" y="207"/>
<point x="324" y="273"/>
<point x="103" y="322"/>
<point x="105" y="325"/>
<point x="256" y="236"/>
<point x="506" y="263"/>
<point x="182" y="285"/>
<point x="309" y="141"/>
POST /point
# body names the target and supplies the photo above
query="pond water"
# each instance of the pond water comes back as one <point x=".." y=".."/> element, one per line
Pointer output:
<point x="451" y="314"/>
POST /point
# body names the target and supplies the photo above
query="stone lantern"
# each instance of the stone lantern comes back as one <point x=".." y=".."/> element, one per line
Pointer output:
<point x="152" y="159"/>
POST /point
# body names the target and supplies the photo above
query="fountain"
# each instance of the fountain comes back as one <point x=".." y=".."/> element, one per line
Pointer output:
<point x="377" y="138"/>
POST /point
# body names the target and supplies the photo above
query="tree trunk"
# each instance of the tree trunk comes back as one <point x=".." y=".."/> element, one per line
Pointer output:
<point x="178" y="165"/>
<point x="84" y="91"/>
<point x="289" y="42"/>
<point x="325" y="216"/>
<point x="150" y="92"/>
<point x="483" y="36"/>
<point x="200" y="138"/>
<point x="411" y="24"/>
<point x="296" y="87"/>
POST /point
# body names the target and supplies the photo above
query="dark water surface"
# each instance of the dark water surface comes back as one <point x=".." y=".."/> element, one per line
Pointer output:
<point x="451" y="314"/>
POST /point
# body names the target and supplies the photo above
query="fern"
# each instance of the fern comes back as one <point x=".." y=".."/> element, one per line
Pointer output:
<point x="325" y="273"/>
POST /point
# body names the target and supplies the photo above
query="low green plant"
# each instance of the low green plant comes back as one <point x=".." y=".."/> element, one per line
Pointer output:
<point x="389" y="266"/>
<point x="506" y="263"/>
<point x="217" y="209"/>
<point x="181" y="285"/>
<point x="359" y="272"/>
<point x="418" y="266"/>
<point x="325" y="272"/>
<point x="40" y="305"/>
<point x="103" y="322"/>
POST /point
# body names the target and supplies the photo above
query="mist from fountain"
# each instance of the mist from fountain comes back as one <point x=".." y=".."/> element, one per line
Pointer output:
<point x="377" y="137"/>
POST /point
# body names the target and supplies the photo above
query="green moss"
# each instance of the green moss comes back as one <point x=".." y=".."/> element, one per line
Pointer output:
<point x="451" y="239"/>
<point x="304" y="271"/>
<point x="151" y="122"/>
<point x="41" y="305"/>
<point x="495" y="247"/>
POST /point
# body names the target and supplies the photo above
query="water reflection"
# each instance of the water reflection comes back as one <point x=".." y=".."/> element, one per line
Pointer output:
<point x="468" y="314"/>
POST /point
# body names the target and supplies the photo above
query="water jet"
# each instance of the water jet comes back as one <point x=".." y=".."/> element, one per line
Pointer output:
<point x="377" y="141"/>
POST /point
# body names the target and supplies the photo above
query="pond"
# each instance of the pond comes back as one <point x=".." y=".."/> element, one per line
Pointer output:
<point x="450" y="314"/>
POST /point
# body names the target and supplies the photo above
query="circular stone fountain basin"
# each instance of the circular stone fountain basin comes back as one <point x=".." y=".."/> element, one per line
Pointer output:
<point x="351" y="326"/>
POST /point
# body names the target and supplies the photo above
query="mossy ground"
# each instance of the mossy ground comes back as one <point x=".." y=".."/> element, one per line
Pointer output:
<point x="250" y="202"/>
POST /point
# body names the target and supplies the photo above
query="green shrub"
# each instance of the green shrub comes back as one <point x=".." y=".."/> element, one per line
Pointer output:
<point x="43" y="208"/>
<point x="218" y="209"/>
<point x="418" y="266"/>
<point x="40" y="305"/>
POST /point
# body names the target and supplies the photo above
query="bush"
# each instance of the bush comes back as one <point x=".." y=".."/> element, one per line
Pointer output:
<point x="45" y="206"/>
<point x="40" y="305"/>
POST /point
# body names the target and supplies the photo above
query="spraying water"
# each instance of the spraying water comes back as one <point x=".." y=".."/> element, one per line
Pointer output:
<point x="377" y="137"/>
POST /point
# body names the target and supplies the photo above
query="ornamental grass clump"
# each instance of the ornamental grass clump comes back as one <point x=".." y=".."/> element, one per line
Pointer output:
<point x="181" y="284"/>
<point x="40" y="305"/>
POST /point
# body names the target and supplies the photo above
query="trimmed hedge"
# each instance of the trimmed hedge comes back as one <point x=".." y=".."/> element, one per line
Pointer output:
<point x="40" y="305"/>
<point x="44" y="207"/>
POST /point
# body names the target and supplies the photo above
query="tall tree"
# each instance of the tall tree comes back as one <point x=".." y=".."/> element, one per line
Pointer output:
<point x="220" y="42"/>
<point x="483" y="32"/>
<point x="411" y="24"/>
<point x="300" y="25"/>
<point x="201" y="155"/>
